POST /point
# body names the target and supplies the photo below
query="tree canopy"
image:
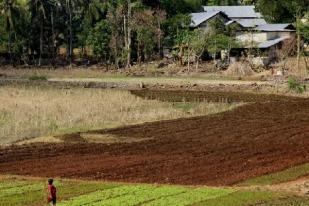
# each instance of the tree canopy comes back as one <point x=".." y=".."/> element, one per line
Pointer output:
<point x="115" y="32"/>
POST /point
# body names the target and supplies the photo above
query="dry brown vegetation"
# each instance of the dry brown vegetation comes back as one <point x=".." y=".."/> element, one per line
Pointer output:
<point x="10" y="72"/>
<point x="27" y="112"/>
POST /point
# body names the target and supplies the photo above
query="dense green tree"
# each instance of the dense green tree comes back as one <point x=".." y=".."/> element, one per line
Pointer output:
<point x="144" y="27"/>
<point x="174" y="7"/>
<point x="197" y="45"/>
<point x="99" y="38"/>
<point x="217" y="26"/>
<point x="39" y="16"/>
<point x="222" y="2"/>
<point x="282" y="10"/>
<point x="3" y="36"/>
<point x="121" y="31"/>
<point x="10" y="11"/>
<point x="175" y="27"/>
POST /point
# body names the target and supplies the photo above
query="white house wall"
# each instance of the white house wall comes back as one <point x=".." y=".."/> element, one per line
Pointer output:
<point x="260" y="37"/>
<point x="249" y="37"/>
<point x="286" y="34"/>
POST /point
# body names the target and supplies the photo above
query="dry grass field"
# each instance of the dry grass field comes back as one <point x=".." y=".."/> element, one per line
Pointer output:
<point x="27" y="112"/>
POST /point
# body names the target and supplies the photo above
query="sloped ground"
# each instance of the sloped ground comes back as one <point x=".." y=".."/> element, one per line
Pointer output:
<point x="223" y="149"/>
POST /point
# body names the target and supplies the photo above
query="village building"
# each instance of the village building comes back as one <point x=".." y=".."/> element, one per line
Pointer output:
<point x="254" y="31"/>
<point x="244" y="15"/>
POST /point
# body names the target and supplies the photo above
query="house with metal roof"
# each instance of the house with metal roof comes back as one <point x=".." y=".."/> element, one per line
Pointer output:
<point x="253" y="27"/>
<point x="244" y="15"/>
<point x="266" y="35"/>
<point x="202" y="19"/>
<point x="235" y="12"/>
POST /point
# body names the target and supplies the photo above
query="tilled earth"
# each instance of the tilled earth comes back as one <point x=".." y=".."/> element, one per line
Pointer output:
<point x="223" y="149"/>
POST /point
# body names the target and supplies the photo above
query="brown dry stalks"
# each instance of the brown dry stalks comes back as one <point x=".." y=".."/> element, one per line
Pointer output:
<point x="32" y="112"/>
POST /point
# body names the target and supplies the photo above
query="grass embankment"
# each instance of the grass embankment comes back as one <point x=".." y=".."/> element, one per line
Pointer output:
<point x="280" y="177"/>
<point x="27" y="112"/>
<point x="153" y="76"/>
<point x="83" y="73"/>
<point x="18" y="192"/>
<point x="97" y="75"/>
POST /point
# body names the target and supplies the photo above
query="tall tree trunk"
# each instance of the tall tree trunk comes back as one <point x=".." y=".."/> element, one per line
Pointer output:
<point x="41" y="43"/>
<point x="10" y="45"/>
<point x="188" y="56"/>
<point x="139" y="53"/>
<point x="159" y="39"/>
<point x="70" y="41"/>
<point x="298" y="43"/>
<point x="116" y="52"/>
<point x="129" y="30"/>
<point x="306" y="63"/>
<point x="125" y="30"/>
<point x="53" y="37"/>
<point x="181" y="55"/>
<point x="197" y="63"/>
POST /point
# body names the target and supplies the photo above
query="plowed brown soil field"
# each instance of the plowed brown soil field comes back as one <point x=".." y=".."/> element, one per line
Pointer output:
<point x="223" y="149"/>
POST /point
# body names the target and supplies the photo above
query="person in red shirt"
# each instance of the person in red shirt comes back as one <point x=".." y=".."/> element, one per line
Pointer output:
<point x="51" y="189"/>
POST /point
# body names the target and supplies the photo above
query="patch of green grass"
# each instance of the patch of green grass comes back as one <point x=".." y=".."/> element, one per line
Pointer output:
<point x="239" y="198"/>
<point x="146" y="195"/>
<point x="287" y="201"/>
<point x="279" y="177"/>
<point x="38" y="78"/>
<point x="123" y="195"/>
<point x="16" y="192"/>
<point x="296" y="86"/>
<point x="33" y="192"/>
<point x="20" y="192"/>
<point x="185" y="106"/>
<point x="190" y="197"/>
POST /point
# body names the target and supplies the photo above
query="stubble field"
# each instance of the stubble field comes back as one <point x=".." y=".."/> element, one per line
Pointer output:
<point x="28" y="112"/>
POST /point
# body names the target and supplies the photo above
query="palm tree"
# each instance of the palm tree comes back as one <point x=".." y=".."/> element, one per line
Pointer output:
<point x="38" y="10"/>
<point x="92" y="9"/>
<point x="70" y="6"/>
<point x="128" y="30"/>
<point x="42" y="13"/>
<point x="54" y="5"/>
<point x="9" y="9"/>
<point x="91" y="12"/>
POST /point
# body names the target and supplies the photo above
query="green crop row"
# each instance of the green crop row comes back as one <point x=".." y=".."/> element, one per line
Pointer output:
<point x="146" y="195"/>
<point x="279" y="177"/>
<point x="14" y="192"/>
<point x="20" y="193"/>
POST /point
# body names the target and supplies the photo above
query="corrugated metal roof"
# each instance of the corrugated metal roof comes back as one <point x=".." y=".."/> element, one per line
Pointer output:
<point x="270" y="43"/>
<point x="235" y="11"/>
<point x="233" y="22"/>
<point x="230" y="22"/>
<point x="259" y="14"/>
<point x="251" y="22"/>
<point x="274" y="27"/>
<point x="198" y="18"/>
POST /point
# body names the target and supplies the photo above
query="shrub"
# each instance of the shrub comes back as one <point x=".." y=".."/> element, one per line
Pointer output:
<point x="295" y="85"/>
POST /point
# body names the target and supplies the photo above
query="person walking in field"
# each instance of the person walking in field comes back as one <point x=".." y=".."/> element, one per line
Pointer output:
<point x="51" y="189"/>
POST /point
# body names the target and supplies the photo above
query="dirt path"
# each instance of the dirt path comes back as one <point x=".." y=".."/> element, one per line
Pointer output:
<point x="222" y="149"/>
<point x="298" y="187"/>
